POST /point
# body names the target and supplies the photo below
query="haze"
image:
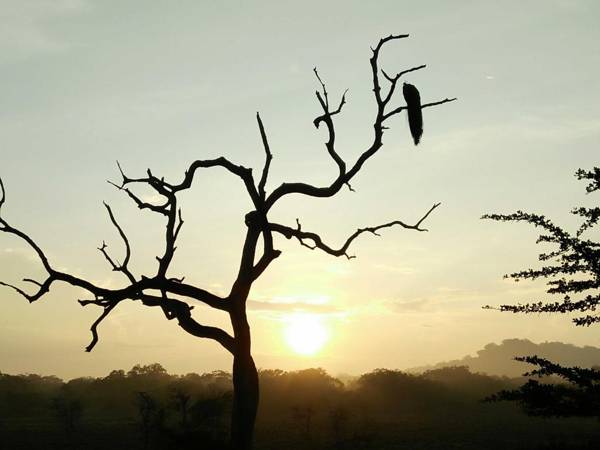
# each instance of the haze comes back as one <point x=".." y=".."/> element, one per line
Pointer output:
<point x="153" y="85"/>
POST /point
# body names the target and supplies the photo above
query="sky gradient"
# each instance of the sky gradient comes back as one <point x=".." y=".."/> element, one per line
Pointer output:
<point x="152" y="85"/>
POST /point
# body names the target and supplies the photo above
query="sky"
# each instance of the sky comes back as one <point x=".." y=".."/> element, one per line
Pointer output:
<point x="160" y="84"/>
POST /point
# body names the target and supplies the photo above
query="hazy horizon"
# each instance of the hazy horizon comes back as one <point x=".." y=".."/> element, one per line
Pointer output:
<point x="493" y="360"/>
<point x="86" y="83"/>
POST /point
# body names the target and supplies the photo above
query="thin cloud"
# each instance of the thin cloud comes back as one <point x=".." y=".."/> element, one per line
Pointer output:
<point x="264" y="306"/>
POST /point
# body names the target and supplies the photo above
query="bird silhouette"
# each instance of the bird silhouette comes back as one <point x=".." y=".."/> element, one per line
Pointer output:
<point x="413" y="108"/>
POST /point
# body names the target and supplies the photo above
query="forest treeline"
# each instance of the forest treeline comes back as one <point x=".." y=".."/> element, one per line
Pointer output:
<point x="148" y="408"/>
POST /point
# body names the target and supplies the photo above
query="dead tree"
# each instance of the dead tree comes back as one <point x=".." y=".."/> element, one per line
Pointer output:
<point x="175" y="297"/>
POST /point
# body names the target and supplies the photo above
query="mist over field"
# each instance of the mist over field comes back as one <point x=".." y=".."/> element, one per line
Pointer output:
<point x="146" y="407"/>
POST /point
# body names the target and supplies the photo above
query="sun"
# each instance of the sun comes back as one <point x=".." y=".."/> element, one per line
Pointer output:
<point x="305" y="333"/>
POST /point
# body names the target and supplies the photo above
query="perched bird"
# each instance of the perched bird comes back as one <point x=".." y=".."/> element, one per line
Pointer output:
<point x="413" y="107"/>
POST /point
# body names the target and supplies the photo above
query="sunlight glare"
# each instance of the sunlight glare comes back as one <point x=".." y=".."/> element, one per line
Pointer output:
<point x="305" y="333"/>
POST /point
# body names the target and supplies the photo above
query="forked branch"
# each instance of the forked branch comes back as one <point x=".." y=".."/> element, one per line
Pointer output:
<point x="123" y="267"/>
<point x="327" y="117"/>
<point x="314" y="241"/>
<point x="345" y="175"/>
<point x="108" y="299"/>
<point x="174" y="293"/>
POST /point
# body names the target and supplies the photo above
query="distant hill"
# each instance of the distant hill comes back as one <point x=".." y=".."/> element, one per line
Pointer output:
<point x="497" y="359"/>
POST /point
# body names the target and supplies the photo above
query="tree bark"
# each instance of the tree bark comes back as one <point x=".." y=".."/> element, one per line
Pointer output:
<point x="245" y="401"/>
<point x="245" y="382"/>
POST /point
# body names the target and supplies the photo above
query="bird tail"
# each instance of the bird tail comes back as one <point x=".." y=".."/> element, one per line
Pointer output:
<point x="415" y="122"/>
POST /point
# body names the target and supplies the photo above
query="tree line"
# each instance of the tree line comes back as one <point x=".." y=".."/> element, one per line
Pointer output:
<point x="148" y="408"/>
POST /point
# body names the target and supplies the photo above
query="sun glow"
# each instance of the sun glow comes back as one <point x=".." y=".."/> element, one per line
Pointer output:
<point x="305" y="333"/>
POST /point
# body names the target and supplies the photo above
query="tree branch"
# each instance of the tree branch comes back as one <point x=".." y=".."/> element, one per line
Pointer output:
<point x="394" y="80"/>
<point x="327" y="118"/>
<point x="268" y="158"/>
<point x="161" y="209"/>
<point x="317" y="241"/>
<point x="375" y="68"/>
<point x="426" y="105"/>
<point x="575" y="263"/>
<point x="345" y="176"/>
<point x="2" y="194"/>
<point x="43" y="288"/>
<point x="124" y="266"/>
<point x="109" y="298"/>
<point x="94" y="327"/>
<point x="242" y="172"/>
<point x="182" y="312"/>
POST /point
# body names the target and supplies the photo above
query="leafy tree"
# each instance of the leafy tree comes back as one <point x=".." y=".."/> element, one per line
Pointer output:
<point x="149" y="370"/>
<point x="572" y="271"/>
<point x="176" y="297"/>
<point x="580" y="396"/>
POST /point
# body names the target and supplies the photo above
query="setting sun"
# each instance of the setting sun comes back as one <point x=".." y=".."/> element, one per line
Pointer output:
<point x="305" y="333"/>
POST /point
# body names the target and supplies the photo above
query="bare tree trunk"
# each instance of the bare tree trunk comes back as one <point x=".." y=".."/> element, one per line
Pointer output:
<point x="245" y="401"/>
<point x="245" y="384"/>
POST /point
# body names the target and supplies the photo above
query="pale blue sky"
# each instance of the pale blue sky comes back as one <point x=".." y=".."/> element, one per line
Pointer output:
<point x="159" y="84"/>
